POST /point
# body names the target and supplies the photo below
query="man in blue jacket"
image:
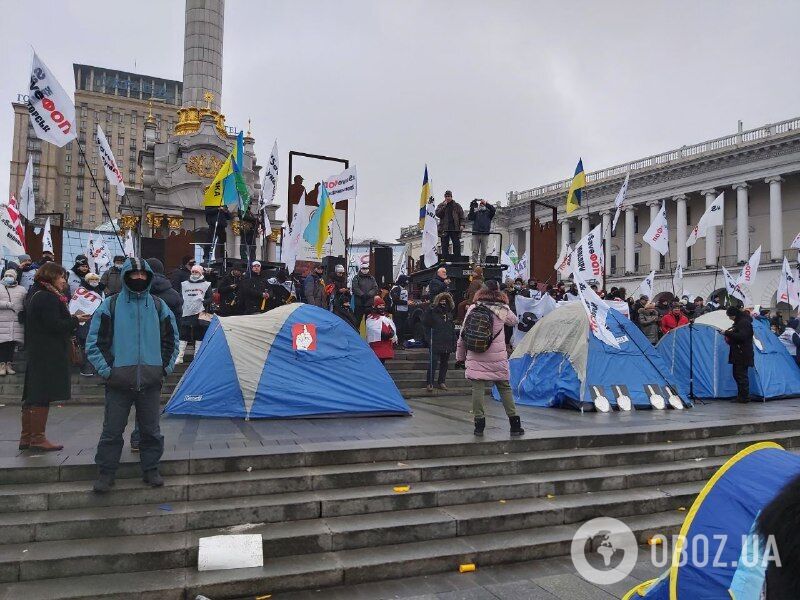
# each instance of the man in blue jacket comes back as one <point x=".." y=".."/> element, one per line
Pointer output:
<point x="133" y="344"/>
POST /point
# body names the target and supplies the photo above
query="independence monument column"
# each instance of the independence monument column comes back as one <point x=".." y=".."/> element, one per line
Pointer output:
<point x="202" y="53"/>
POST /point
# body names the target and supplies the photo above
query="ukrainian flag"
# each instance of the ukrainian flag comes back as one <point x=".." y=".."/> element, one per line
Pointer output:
<point x="576" y="188"/>
<point x="214" y="193"/>
<point x="317" y="230"/>
<point x="234" y="189"/>
<point x="423" y="198"/>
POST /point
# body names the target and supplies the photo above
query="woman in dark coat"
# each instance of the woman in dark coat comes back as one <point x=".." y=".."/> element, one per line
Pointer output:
<point x="440" y="333"/>
<point x="740" y="338"/>
<point x="48" y="332"/>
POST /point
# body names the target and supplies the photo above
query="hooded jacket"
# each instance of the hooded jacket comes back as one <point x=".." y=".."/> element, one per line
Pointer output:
<point x="161" y="287"/>
<point x="112" y="279"/>
<point x="440" y="330"/>
<point x="134" y="348"/>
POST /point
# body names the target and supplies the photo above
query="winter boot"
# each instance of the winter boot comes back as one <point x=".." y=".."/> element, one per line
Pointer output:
<point x="9" y="370"/>
<point x="196" y="349"/>
<point x="181" y="350"/>
<point x="38" y="425"/>
<point x="153" y="478"/>
<point x="480" y="425"/>
<point x="516" y="427"/>
<point x="25" y="436"/>
<point x="103" y="483"/>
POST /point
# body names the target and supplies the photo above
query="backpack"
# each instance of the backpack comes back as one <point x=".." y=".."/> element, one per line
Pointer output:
<point x="478" y="329"/>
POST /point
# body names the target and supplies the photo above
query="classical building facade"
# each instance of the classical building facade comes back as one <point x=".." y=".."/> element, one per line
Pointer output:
<point x="759" y="172"/>
<point x="119" y="102"/>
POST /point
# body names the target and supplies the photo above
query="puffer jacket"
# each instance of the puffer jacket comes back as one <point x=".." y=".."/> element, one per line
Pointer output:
<point x="139" y="347"/>
<point x="314" y="288"/>
<point x="12" y="299"/>
<point x="491" y="365"/>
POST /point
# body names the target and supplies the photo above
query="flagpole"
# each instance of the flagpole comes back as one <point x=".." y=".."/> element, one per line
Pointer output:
<point x="102" y="198"/>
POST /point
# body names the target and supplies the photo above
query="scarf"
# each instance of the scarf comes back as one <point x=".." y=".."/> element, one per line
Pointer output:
<point x="51" y="288"/>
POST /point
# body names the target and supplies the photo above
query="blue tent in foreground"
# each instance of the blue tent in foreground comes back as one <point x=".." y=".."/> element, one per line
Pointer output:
<point x="560" y="364"/>
<point x="700" y="352"/>
<point x="723" y="555"/>
<point x="295" y="361"/>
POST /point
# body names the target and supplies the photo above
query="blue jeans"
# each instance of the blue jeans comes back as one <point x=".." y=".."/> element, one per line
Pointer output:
<point x="148" y="412"/>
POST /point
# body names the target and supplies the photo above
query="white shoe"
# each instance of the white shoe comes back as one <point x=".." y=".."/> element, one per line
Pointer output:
<point x="9" y="370"/>
<point x="181" y="350"/>
<point x="2" y="369"/>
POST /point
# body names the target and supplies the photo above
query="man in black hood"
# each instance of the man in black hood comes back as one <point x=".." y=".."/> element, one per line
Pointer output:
<point x="161" y="287"/>
<point x="182" y="273"/>
<point x="78" y="271"/>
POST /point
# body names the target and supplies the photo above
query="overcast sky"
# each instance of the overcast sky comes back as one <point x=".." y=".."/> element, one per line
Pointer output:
<point x="494" y="96"/>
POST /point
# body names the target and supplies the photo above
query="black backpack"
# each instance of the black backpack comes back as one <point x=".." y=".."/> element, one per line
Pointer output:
<point x="478" y="330"/>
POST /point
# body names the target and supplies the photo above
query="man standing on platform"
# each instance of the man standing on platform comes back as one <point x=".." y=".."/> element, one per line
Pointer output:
<point x="451" y="224"/>
<point x="481" y="214"/>
<point x="133" y="344"/>
<point x="740" y="338"/>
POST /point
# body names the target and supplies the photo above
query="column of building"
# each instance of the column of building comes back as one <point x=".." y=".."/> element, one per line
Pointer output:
<point x="742" y="223"/>
<point x="681" y="254"/>
<point x="775" y="218"/>
<point x="630" y="248"/>
<point x="711" y="234"/>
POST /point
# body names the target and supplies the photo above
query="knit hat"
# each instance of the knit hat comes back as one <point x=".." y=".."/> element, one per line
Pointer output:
<point x="378" y="302"/>
<point x="10" y="273"/>
<point x="254" y="263"/>
<point x="24" y="257"/>
<point x="81" y="260"/>
<point x="339" y="268"/>
<point x="155" y="264"/>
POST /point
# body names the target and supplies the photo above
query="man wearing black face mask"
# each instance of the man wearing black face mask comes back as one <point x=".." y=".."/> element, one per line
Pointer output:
<point x="440" y="333"/>
<point x="133" y="344"/>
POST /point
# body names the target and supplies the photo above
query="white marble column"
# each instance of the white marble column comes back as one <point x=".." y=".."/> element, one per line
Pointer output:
<point x="655" y="257"/>
<point x="680" y="230"/>
<point x="585" y="226"/>
<point x="630" y="248"/>
<point x="606" y="228"/>
<point x="742" y="223"/>
<point x="526" y="234"/>
<point x="711" y="235"/>
<point x="775" y="218"/>
<point x="564" y="233"/>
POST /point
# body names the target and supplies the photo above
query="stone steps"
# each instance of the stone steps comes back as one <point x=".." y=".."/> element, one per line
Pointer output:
<point x="314" y="571"/>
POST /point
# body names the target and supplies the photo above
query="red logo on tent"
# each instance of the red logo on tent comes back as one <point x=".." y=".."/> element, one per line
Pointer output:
<point x="304" y="336"/>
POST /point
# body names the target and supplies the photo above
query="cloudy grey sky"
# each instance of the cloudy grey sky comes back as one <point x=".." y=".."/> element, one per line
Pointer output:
<point x="494" y="96"/>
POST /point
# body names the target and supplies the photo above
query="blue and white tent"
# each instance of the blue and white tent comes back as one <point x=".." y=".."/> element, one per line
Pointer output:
<point x="719" y="552"/>
<point x="295" y="361"/>
<point x="699" y="352"/>
<point x="560" y="364"/>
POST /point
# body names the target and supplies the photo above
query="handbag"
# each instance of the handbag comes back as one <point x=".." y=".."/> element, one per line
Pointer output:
<point x="75" y="353"/>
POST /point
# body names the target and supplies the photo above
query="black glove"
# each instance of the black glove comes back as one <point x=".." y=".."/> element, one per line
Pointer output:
<point x="460" y="365"/>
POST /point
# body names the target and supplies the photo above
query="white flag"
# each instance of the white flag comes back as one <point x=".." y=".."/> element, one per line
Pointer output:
<point x="403" y="263"/>
<point x="713" y="217"/>
<point x="536" y="309"/>
<point x="50" y="108"/>
<point x="677" y="280"/>
<point x="12" y="236"/>
<point x="27" y="201"/>
<point x="788" y="290"/>
<point x="130" y="251"/>
<point x="619" y="202"/>
<point x="293" y="239"/>
<point x="97" y="254"/>
<point x="730" y="285"/>
<point x="596" y="310"/>
<point x="562" y="264"/>
<point x="47" y="238"/>
<point x="430" y="235"/>
<point x="796" y="242"/>
<point x="510" y="268"/>
<point x="522" y="267"/>
<point x="113" y="174"/>
<point x="646" y="287"/>
<point x="343" y="186"/>
<point x="657" y="235"/>
<point x="748" y="275"/>
<point x="588" y="258"/>
<point x="269" y="187"/>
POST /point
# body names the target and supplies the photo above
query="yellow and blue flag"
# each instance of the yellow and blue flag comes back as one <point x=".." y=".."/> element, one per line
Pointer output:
<point x="234" y="189"/>
<point x="316" y="232"/>
<point x="576" y="188"/>
<point x="423" y="198"/>
<point x="214" y="193"/>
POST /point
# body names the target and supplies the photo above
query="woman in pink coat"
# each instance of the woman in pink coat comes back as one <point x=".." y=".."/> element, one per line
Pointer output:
<point x="491" y="366"/>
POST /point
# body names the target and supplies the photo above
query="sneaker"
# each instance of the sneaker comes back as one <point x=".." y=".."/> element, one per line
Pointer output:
<point x="87" y="374"/>
<point x="153" y="478"/>
<point x="429" y="388"/>
<point x="443" y="386"/>
<point x="103" y="484"/>
<point x="9" y="370"/>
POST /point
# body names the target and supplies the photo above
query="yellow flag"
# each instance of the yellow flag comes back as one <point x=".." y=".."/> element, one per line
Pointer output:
<point x="213" y="193"/>
<point x="575" y="194"/>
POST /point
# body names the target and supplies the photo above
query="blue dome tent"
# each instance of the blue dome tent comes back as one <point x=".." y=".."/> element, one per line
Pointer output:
<point x="697" y="360"/>
<point x="720" y="526"/>
<point x="559" y="363"/>
<point x="295" y="361"/>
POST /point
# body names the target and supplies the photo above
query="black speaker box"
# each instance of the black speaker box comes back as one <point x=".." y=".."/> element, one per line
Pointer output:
<point x="383" y="265"/>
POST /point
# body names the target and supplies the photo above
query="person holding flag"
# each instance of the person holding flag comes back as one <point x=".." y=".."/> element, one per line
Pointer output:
<point x="318" y="229"/>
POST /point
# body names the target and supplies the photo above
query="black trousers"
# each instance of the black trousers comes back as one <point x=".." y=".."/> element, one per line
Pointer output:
<point x="742" y="381"/>
<point x="358" y="314"/>
<point x="442" y="358"/>
<point x="7" y="351"/>
<point x="400" y="320"/>
<point x="455" y="238"/>
<point x="118" y="407"/>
